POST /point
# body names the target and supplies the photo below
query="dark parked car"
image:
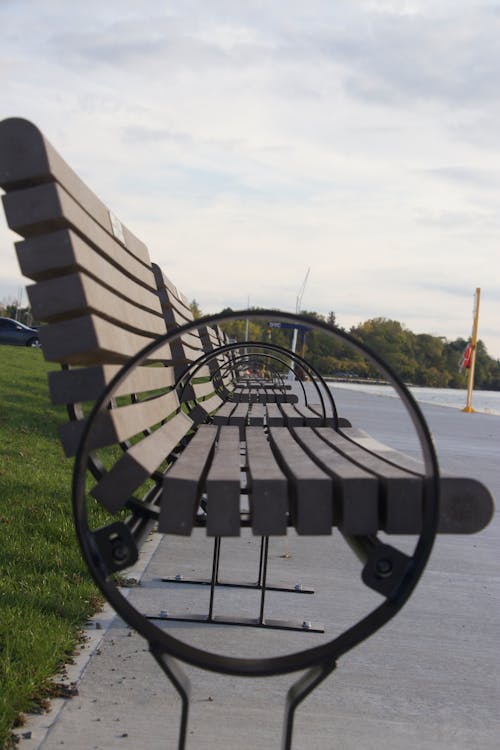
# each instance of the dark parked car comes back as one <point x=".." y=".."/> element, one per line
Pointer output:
<point x="17" y="334"/>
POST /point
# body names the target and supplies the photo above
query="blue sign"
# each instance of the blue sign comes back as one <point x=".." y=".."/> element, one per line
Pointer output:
<point x="278" y="324"/>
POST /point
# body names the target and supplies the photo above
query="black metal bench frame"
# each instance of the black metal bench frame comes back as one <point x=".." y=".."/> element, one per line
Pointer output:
<point x="385" y="569"/>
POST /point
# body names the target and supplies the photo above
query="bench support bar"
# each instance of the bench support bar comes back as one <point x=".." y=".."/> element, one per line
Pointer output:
<point x="300" y="690"/>
<point x="250" y="622"/>
<point x="297" y="588"/>
<point x="181" y="683"/>
<point x="261" y="585"/>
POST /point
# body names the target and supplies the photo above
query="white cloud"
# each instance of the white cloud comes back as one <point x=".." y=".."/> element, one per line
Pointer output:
<point x="248" y="143"/>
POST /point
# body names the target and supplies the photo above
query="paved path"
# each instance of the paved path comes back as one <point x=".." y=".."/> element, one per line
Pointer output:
<point x="429" y="680"/>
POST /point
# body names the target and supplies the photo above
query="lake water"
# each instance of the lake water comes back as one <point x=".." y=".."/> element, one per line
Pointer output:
<point x="487" y="402"/>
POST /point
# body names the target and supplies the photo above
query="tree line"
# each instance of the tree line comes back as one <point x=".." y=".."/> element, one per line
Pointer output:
<point x="419" y="359"/>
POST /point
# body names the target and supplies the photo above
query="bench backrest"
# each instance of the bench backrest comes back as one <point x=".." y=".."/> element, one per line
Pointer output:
<point x="95" y="289"/>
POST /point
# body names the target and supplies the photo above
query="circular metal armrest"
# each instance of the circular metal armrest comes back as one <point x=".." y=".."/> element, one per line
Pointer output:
<point x="390" y="572"/>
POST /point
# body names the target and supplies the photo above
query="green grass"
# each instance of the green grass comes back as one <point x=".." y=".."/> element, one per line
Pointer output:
<point x="45" y="591"/>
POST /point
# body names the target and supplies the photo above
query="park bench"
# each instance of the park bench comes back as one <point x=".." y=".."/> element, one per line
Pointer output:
<point x="178" y="431"/>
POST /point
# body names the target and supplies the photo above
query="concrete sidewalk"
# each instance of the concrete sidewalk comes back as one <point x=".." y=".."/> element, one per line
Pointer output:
<point x="427" y="681"/>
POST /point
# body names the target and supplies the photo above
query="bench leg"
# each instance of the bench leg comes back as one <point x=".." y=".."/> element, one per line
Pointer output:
<point x="181" y="683"/>
<point x="260" y="585"/>
<point x="297" y="588"/>
<point x="215" y="576"/>
<point x="296" y="694"/>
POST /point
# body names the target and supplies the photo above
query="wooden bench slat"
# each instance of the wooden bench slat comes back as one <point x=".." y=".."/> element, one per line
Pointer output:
<point x="117" y="425"/>
<point x="172" y="317"/>
<point x="223" y="413"/>
<point x="91" y="340"/>
<point x="239" y="417"/>
<point x="257" y="415"/>
<point x="311" y="418"/>
<point x="138" y="463"/>
<point x="47" y="208"/>
<point x="203" y="389"/>
<point x="223" y="485"/>
<point x="175" y="297"/>
<point x="403" y="492"/>
<point x="369" y="443"/>
<point x="211" y="404"/>
<point x="292" y="417"/>
<point x="175" y="304"/>
<point x="275" y="417"/>
<point x="58" y="253"/>
<point x="267" y="484"/>
<point x="78" y="294"/>
<point x="183" y="483"/>
<point x="87" y="383"/>
<point x="356" y="491"/>
<point x="192" y="341"/>
<point x="465" y="504"/>
<point x="176" y="313"/>
<point x="29" y="159"/>
<point x="163" y="281"/>
<point x="311" y="488"/>
<point x="203" y="373"/>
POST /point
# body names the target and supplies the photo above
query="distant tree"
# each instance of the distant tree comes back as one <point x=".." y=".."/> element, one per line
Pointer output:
<point x="419" y="359"/>
<point x="195" y="309"/>
<point x="331" y="319"/>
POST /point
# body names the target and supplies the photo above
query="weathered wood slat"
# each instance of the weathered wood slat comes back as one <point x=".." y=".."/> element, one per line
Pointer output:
<point x="192" y="341"/>
<point x="275" y="417"/>
<point x="239" y="417"/>
<point x="257" y="414"/>
<point x="48" y="208"/>
<point x="311" y="418"/>
<point x="183" y="483"/>
<point x="78" y="294"/>
<point x="223" y="486"/>
<point x="401" y="508"/>
<point x="267" y="484"/>
<point x="292" y="417"/>
<point x="371" y="444"/>
<point x="172" y="316"/>
<point x="91" y="340"/>
<point x="270" y="397"/>
<point x="117" y="425"/>
<point x="356" y="491"/>
<point x="87" y="384"/>
<point x="175" y="306"/>
<point x="311" y="489"/>
<point x="223" y="413"/>
<point x="211" y="403"/>
<point x="138" y="463"/>
<point x="62" y="252"/>
<point x="465" y="504"/>
<point x="163" y="281"/>
<point x="202" y="373"/>
<point x="29" y="159"/>
<point x="203" y="389"/>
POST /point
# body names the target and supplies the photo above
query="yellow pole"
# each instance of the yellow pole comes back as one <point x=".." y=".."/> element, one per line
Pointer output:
<point x="470" y="376"/>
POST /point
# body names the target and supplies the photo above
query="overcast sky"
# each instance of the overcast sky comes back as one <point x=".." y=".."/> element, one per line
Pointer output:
<point x="245" y="142"/>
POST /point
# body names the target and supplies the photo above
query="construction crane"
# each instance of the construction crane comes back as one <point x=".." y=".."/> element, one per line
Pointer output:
<point x="301" y="292"/>
<point x="298" y="303"/>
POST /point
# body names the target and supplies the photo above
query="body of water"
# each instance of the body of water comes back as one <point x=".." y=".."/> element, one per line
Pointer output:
<point x="487" y="402"/>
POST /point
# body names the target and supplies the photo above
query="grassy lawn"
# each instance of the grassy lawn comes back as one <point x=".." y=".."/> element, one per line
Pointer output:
<point x="45" y="590"/>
